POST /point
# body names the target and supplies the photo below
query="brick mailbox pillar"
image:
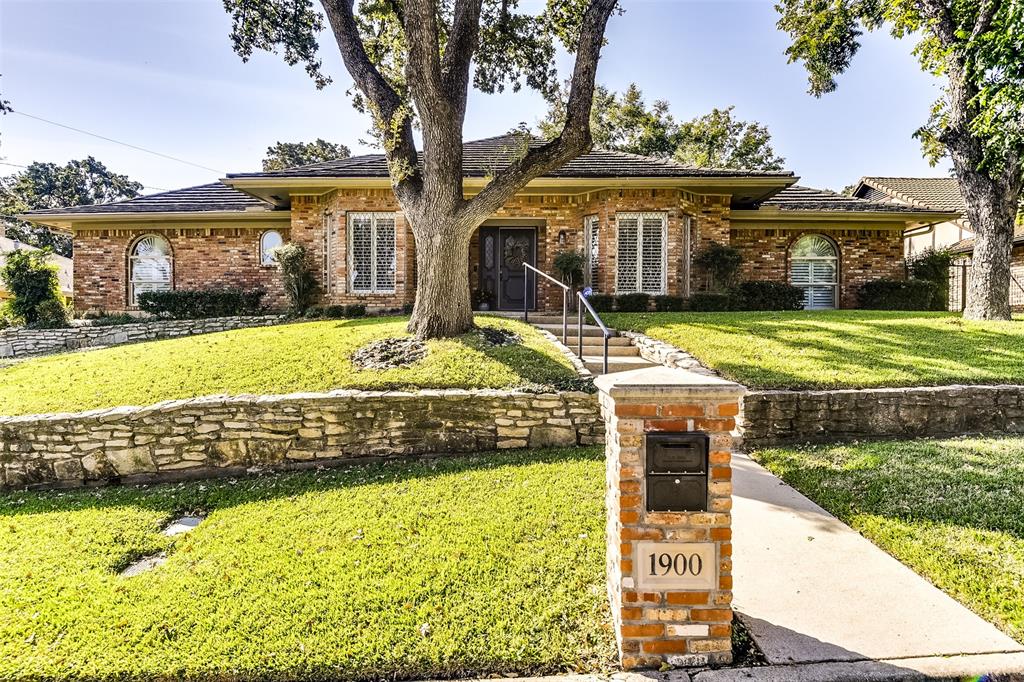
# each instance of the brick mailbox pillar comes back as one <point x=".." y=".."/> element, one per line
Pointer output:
<point x="668" y="498"/>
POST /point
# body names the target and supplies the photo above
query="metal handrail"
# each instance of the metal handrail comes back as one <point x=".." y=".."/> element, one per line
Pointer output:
<point x="565" y="298"/>
<point x="607" y="333"/>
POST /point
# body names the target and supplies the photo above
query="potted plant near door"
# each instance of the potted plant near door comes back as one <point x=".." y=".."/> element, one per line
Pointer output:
<point x="569" y="266"/>
<point x="482" y="299"/>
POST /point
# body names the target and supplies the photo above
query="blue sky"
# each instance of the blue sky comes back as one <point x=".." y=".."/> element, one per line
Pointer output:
<point x="160" y="74"/>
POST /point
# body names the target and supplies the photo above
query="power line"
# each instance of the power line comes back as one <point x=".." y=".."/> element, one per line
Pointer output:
<point x="144" y="186"/>
<point x="123" y="144"/>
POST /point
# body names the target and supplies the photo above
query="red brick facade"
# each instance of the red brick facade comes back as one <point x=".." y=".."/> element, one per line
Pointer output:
<point x="227" y="253"/>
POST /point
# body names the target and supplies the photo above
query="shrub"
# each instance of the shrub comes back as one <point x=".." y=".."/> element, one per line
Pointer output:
<point x="334" y="312"/>
<point x="632" y="303"/>
<point x="893" y="294"/>
<point x="933" y="266"/>
<point x="669" y="304"/>
<point x="569" y="265"/>
<point x="602" y="303"/>
<point x="32" y="281"/>
<point x="711" y="301"/>
<point x="355" y="310"/>
<point x="106" y="320"/>
<point x="51" y="314"/>
<point x="191" y="304"/>
<point x="407" y="308"/>
<point x="297" y="275"/>
<point x="757" y="295"/>
<point x="722" y="264"/>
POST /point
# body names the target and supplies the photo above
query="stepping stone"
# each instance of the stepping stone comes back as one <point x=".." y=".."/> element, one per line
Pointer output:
<point x="182" y="524"/>
<point x="144" y="564"/>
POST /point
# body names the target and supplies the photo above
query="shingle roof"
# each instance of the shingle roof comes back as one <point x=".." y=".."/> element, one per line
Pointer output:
<point x="942" y="194"/>
<point x="215" y="196"/>
<point x="967" y="245"/>
<point x="485" y="157"/>
<point x="799" y="198"/>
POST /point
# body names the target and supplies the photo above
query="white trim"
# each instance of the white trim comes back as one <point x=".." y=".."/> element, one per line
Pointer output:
<point x="349" y="216"/>
<point x="270" y="262"/>
<point x="133" y="296"/>
<point x="640" y="216"/>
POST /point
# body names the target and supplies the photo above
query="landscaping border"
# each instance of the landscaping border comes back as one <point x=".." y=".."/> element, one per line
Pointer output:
<point x="203" y="437"/>
<point x="23" y="342"/>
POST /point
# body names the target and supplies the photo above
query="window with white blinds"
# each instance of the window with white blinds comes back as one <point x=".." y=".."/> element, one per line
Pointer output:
<point x="591" y="245"/>
<point x="814" y="267"/>
<point x="149" y="267"/>
<point x="372" y="253"/>
<point x="640" y="263"/>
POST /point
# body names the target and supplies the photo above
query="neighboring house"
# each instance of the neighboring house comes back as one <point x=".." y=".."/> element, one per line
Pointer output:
<point x="935" y="193"/>
<point x="639" y="221"/>
<point x="64" y="266"/>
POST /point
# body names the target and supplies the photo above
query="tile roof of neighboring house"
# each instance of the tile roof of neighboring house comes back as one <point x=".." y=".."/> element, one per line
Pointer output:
<point x="967" y="245"/>
<point x="799" y="198"/>
<point x="64" y="264"/>
<point x="485" y="157"/>
<point x="214" y="197"/>
<point x="936" y="193"/>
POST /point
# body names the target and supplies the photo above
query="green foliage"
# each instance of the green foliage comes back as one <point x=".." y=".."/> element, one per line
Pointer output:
<point x="52" y="314"/>
<point x="32" y="281"/>
<point x="897" y="294"/>
<point x="949" y="509"/>
<point x="480" y="297"/>
<point x="306" y="356"/>
<point x="191" y="304"/>
<point x="760" y="295"/>
<point x="47" y="185"/>
<point x="625" y="123"/>
<point x="316" y="575"/>
<point x="355" y="310"/>
<point x="569" y="266"/>
<point x="842" y="348"/>
<point x="711" y="301"/>
<point x="602" y="303"/>
<point x="290" y="154"/>
<point x="933" y="266"/>
<point x="297" y="276"/>
<point x="107" y="320"/>
<point x="721" y="263"/>
<point x="669" y="304"/>
<point x="632" y="303"/>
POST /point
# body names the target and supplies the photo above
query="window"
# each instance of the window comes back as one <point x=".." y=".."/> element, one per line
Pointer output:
<point x="149" y="267"/>
<point x="641" y="253"/>
<point x="814" y="268"/>
<point x="591" y="249"/>
<point x="371" y="246"/>
<point x="269" y="240"/>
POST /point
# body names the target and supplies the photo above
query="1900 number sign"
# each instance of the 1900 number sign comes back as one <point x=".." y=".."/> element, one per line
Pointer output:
<point x="676" y="565"/>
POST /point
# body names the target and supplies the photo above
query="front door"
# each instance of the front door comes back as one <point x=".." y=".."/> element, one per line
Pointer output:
<point x="503" y="250"/>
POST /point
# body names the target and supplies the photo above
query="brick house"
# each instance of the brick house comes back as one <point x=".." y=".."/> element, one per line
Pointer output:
<point x="639" y="221"/>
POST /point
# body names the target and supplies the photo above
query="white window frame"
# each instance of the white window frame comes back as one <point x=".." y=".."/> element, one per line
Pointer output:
<point x="640" y="216"/>
<point x="811" y="284"/>
<point x="591" y="228"/>
<point x="266" y="259"/>
<point x="374" y="246"/>
<point x="133" y="281"/>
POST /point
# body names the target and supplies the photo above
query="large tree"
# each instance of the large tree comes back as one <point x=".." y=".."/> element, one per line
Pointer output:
<point x="976" y="46"/>
<point x="48" y="185"/>
<point x="413" y="61"/>
<point x="289" y="154"/>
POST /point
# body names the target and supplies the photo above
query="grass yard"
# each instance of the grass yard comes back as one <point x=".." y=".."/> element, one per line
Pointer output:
<point x="309" y="356"/>
<point x="454" y="567"/>
<point x="841" y="348"/>
<point x="950" y="509"/>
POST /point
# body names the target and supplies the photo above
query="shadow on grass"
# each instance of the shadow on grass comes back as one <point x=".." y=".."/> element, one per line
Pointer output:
<point x="204" y="496"/>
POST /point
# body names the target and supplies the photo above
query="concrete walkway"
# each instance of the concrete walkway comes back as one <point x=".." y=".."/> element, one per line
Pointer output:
<point x="813" y="591"/>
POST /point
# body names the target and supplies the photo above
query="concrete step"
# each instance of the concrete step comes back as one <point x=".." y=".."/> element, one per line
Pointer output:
<point x="598" y="350"/>
<point x="617" y="364"/>
<point x="588" y="330"/>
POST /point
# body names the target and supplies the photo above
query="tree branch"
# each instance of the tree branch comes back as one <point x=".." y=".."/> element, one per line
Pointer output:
<point x="575" y="138"/>
<point x="458" y="53"/>
<point x="423" y="67"/>
<point x="945" y="28"/>
<point x="986" y="14"/>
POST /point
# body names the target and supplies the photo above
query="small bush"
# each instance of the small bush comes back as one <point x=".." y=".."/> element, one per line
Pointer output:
<point x="758" y="295"/>
<point x="355" y="310"/>
<point x="192" y="304"/>
<point x="297" y="275"/>
<point x="602" y="303"/>
<point x="51" y="314"/>
<point x="722" y="264"/>
<point x="32" y="281"/>
<point x="893" y="294"/>
<point x="106" y="320"/>
<point x="569" y="265"/>
<point x="711" y="302"/>
<point x="334" y="312"/>
<point x="669" y="304"/>
<point x="933" y="266"/>
<point x="407" y="308"/>
<point x="632" y="303"/>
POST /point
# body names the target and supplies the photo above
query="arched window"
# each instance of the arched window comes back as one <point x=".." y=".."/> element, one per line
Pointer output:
<point x="269" y="240"/>
<point x="814" y="267"/>
<point x="149" y="266"/>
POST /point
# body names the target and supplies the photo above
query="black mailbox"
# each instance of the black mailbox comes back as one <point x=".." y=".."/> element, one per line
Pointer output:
<point x="677" y="472"/>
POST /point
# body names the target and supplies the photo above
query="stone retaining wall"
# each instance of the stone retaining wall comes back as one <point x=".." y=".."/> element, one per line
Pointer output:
<point x="207" y="436"/>
<point x="22" y="342"/>
<point x="789" y="417"/>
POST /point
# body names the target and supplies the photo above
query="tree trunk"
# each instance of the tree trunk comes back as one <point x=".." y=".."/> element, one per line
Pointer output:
<point x="442" y="278"/>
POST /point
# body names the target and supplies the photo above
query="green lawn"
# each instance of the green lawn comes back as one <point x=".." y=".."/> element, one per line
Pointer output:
<point x="310" y="356"/>
<point x="498" y="559"/>
<point x="950" y="509"/>
<point x="841" y="348"/>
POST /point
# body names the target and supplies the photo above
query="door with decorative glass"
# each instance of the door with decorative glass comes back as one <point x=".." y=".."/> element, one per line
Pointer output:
<point x="814" y="267"/>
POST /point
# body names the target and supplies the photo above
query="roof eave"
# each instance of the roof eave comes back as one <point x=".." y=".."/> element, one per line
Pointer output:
<point x="63" y="221"/>
<point x="908" y="218"/>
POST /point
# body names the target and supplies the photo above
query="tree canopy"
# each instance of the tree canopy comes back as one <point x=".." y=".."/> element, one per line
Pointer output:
<point x="625" y="123"/>
<point x="288" y="154"/>
<point x="48" y="185"/>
